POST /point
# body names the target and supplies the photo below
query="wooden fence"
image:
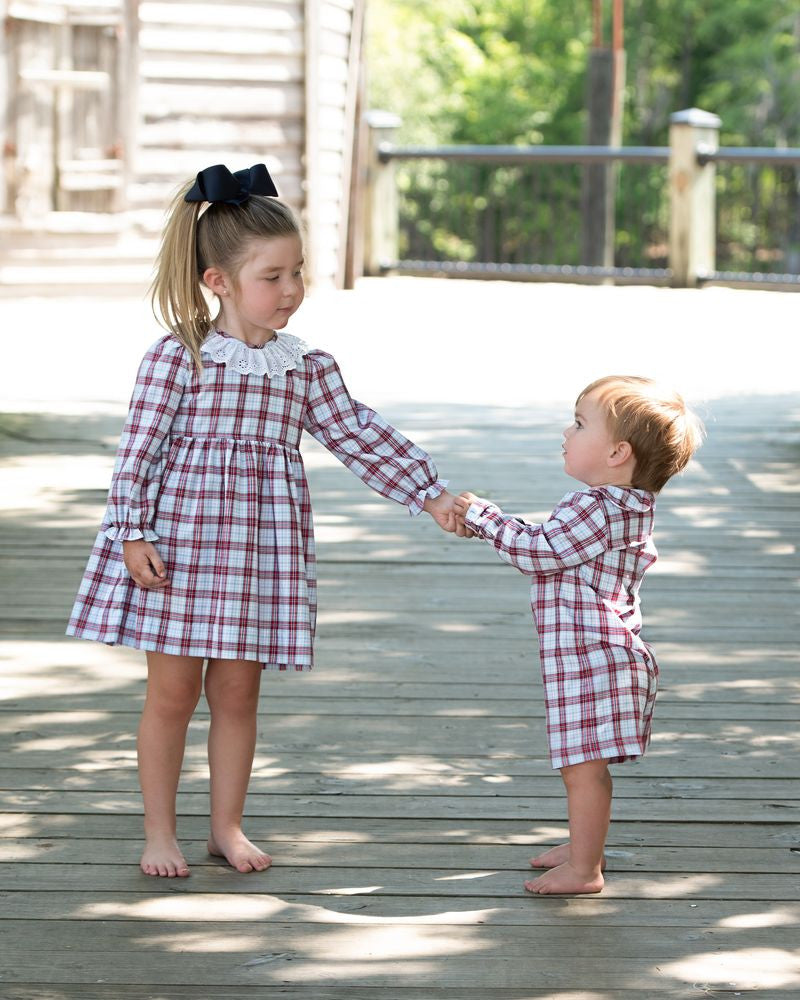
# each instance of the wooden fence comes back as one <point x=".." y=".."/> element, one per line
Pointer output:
<point x="505" y="223"/>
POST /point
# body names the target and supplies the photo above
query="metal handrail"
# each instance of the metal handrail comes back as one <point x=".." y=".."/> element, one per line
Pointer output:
<point x="749" y="154"/>
<point x="586" y="154"/>
<point x="526" y="154"/>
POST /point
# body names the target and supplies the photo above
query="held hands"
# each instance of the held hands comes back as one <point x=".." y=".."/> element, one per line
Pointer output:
<point x="461" y="505"/>
<point x="442" y="510"/>
<point x="144" y="564"/>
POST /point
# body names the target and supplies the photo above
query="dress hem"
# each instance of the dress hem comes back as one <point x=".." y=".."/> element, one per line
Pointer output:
<point x="150" y="647"/>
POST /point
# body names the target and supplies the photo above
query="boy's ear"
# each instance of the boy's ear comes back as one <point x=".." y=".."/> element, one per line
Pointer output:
<point x="620" y="453"/>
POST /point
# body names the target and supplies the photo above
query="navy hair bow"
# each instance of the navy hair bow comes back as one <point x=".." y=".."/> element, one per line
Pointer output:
<point x="217" y="183"/>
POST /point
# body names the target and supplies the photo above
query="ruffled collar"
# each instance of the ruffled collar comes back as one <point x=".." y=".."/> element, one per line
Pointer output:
<point x="276" y="357"/>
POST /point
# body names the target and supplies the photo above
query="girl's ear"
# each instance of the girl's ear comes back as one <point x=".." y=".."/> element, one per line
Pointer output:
<point x="620" y="453"/>
<point x="216" y="281"/>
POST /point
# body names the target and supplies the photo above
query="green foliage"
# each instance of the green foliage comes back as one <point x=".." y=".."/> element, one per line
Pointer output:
<point x="514" y="72"/>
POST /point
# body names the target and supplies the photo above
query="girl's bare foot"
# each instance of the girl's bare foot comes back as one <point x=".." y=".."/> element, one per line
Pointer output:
<point x="566" y="880"/>
<point x="163" y="857"/>
<point x="557" y="856"/>
<point x="239" y="852"/>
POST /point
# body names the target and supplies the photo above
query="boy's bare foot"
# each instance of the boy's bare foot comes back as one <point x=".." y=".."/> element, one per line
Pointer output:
<point x="565" y="879"/>
<point x="239" y="852"/>
<point x="557" y="856"/>
<point x="163" y="857"/>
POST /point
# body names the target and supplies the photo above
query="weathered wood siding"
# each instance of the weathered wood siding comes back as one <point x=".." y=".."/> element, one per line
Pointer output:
<point x="219" y="83"/>
<point x="189" y="83"/>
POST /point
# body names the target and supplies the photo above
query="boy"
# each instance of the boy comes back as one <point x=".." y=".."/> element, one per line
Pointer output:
<point x="586" y="564"/>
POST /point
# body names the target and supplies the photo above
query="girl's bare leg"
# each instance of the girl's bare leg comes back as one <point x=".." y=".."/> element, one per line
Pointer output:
<point x="589" y="792"/>
<point x="173" y="690"/>
<point x="232" y="688"/>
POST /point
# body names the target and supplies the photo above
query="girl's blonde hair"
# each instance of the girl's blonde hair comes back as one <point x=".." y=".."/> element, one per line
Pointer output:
<point x="220" y="238"/>
<point x="660" y="428"/>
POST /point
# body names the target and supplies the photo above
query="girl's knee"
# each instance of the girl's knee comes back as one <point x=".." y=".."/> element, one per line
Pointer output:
<point x="233" y="689"/>
<point x="173" y="703"/>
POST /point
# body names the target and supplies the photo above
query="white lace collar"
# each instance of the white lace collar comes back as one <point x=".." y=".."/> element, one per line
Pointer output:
<point x="276" y="357"/>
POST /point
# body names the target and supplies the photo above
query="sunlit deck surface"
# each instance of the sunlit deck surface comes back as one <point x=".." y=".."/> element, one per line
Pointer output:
<point x="402" y="786"/>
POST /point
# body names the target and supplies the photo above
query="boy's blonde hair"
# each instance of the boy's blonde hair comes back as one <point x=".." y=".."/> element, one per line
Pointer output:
<point x="220" y="237"/>
<point x="660" y="428"/>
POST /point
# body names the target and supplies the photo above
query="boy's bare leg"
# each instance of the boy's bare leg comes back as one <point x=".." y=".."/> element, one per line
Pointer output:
<point x="556" y="856"/>
<point x="173" y="689"/>
<point x="232" y="688"/>
<point x="589" y="792"/>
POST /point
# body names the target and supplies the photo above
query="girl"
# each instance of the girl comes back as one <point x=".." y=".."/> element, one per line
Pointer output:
<point x="206" y="552"/>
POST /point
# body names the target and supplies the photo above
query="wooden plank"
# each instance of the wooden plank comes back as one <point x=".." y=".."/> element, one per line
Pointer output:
<point x="225" y="39"/>
<point x="33" y="748"/>
<point x="233" y="67"/>
<point x="413" y="806"/>
<point x="418" y="857"/>
<point x="249" y="16"/>
<point x="197" y="907"/>
<point x="499" y="767"/>
<point x="84" y="991"/>
<point x="410" y="830"/>
<point x="524" y="700"/>
<point x="302" y="941"/>
<point x="438" y="882"/>
<point x="183" y="134"/>
<point x="164" y="100"/>
<point x="630" y="783"/>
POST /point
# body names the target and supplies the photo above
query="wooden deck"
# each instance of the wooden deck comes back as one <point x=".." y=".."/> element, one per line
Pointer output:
<point x="403" y="785"/>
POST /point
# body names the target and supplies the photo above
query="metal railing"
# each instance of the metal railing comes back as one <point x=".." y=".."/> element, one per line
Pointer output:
<point x="687" y="214"/>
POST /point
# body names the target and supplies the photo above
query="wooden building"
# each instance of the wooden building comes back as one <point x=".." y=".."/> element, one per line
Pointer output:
<point x="109" y="104"/>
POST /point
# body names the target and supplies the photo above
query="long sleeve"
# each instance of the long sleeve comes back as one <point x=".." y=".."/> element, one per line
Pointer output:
<point x="575" y="533"/>
<point x="362" y="440"/>
<point x="160" y="383"/>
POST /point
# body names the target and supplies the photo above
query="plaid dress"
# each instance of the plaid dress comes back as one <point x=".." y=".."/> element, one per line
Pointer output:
<point x="209" y="470"/>
<point x="586" y="564"/>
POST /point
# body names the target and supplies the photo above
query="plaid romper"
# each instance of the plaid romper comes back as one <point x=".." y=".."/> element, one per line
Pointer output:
<point x="208" y="469"/>
<point x="586" y="563"/>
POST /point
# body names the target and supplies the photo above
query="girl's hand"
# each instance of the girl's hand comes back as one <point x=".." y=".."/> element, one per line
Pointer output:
<point x="144" y="564"/>
<point x="442" y="511"/>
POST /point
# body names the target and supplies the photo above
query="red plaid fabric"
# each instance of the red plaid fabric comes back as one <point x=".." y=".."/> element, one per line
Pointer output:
<point x="208" y="468"/>
<point x="586" y="563"/>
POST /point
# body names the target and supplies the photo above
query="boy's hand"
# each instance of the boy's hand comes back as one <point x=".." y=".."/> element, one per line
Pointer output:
<point x="144" y="564"/>
<point x="442" y="511"/>
<point x="461" y="505"/>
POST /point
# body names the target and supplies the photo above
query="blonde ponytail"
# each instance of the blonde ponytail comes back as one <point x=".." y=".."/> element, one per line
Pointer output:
<point x="178" y="301"/>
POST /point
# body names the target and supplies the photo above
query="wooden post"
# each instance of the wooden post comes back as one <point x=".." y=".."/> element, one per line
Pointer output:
<point x="312" y="195"/>
<point x="128" y="91"/>
<point x="6" y="113"/>
<point x="354" y="260"/>
<point x="605" y="90"/>
<point x="692" y="229"/>
<point x="380" y="196"/>
<point x="355" y="61"/>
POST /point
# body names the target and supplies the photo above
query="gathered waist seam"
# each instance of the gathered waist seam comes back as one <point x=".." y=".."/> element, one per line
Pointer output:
<point x="204" y="440"/>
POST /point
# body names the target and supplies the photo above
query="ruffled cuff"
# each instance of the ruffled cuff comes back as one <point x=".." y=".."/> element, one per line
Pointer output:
<point x="124" y="533"/>
<point x="483" y="518"/>
<point x="417" y="503"/>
